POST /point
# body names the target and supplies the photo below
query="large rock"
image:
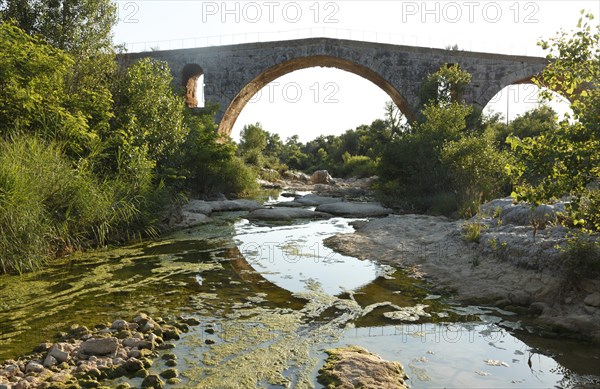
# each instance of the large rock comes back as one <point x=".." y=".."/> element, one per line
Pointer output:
<point x="208" y="207"/>
<point x="352" y="209"/>
<point x="355" y="367"/>
<point x="592" y="299"/>
<point x="234" y="205"/>
<point x="524" y="214"/>
<point x="190" y="219"/>
<point x="296" y="176"/>
<point x="321" y="177"/>
<point x="314" y="200"/>
<point x="286" y="214"/>
<point x="198" y="206"/>
<point x="153" y="381"/>
<point x="60" y="351"/>
<point x="100" y="346"/>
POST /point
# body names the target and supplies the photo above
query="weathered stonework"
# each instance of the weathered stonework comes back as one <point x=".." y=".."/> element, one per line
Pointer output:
<point x="233" y="74"/>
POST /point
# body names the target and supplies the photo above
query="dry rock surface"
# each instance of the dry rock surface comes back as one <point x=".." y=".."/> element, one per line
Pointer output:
<point x="355" y="367"/>
<point x="510" y="265"/>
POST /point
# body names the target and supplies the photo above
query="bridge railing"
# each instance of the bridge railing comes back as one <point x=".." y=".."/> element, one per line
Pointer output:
<point x="498" y="47"/>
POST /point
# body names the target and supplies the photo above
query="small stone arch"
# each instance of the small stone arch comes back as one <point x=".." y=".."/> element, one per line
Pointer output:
<point x="193" y="84"/>
<point x="251" y="88"/>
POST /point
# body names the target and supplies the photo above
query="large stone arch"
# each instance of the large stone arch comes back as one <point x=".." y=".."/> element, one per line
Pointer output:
<point x="274" y="72"/>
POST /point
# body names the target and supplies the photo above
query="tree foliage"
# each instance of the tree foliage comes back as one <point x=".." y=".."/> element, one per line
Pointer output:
<point x="566" y="162"/>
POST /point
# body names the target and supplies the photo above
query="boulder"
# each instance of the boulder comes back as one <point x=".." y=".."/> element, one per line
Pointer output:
<point x="314" y="200"/>
<point x="352" y="209"/>
<point x="286" y="214"/>
<point x="119" y="325"/>
<point x="198" y="206"/>
<point x="34" y="367"/>
<point x="60" y="351"/>
<point x="321" y="177"/>
<point x="592" y="300"/>
<point x="296" y="176"/>
<point x="234" y="205"/>
<point x="153" y="381"/>
<point x="355" y="367"/>
<point x="190" y="219"/>
<point x="100" y="346"/>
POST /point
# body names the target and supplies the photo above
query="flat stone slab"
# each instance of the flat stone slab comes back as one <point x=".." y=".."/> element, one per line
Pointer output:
<point x="191" y="219"/>
<point x="313" y="199"/>
<point x="208" y="207"/>
<point x="352" y="209"/>
<point x="286" y="214"/>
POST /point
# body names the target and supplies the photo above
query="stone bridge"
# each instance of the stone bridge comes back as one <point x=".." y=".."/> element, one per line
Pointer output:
<point x="234" y="73"/>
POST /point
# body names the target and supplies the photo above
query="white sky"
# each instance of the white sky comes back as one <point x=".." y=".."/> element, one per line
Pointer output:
<point x="326" y="101"/>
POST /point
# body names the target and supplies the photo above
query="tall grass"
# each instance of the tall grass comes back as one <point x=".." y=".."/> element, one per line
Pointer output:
<point x="49" y="207"/>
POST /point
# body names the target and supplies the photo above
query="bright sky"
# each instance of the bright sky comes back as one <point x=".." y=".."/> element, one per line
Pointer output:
<point x="326" y="101"/>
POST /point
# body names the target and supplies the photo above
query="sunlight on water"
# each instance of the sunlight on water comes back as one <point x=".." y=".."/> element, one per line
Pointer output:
<point x="294" y="257"/>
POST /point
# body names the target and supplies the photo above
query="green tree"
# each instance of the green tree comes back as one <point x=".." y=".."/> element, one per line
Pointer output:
<point x="253" y="141"/>
<point x="566" y="161"/>
<point x="33" y="94"/>
<point x="149" y="122"/>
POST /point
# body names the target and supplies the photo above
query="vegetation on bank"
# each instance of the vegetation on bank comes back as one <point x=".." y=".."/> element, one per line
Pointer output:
<point x="92" y="153"/>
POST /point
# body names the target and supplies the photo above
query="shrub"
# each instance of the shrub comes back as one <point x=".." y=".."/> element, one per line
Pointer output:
<point x="48" y="206"/>
<point x="580" y="259"/>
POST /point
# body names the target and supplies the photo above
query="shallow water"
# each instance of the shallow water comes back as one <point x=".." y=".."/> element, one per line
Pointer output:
<point x="271" y="299"/>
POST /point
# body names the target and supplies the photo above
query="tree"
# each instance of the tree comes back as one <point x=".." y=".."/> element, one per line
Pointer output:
<point x="149" y="124"/>
<point x="566" y="161"/>
<point x="253" y="141"/>
<point x="445" y="86"/>
<point x="33" y="93"/>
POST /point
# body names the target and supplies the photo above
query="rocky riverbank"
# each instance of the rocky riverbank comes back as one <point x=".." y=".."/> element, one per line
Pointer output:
<point x="83" y="358"/>
<point x="499" y="257"/>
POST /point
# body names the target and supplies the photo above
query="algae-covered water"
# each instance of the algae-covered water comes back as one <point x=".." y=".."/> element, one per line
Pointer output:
<point x="271" y="298"/>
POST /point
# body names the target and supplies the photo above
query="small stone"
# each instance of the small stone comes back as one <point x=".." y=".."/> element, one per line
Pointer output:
<point x="100" y="346"/>
<point x="171" y="333"/>
<point x="154" y="338"/>
<point x="166" y="346"/>
<point x="171" y="363"/>
<point x="34" y="367"/>
<point x="142" y="373"/>
<point x="170" y="373"/>
<point x="592" y="299"/>
<point x="42" y="347"/>
<point x="119" y="325"/>
<point x="191" y="321"/>
<point x="169" y="356"/>
<point x="60" y="351"/>
<point x="133" y="365"/>
<point x="173" y="381"/>
<point x="209" y="341"/>
<point x="210" y="331"/>
<point x="141" y="319"/>
<point x="153" y="381"/>
<point x="50" y="361"/>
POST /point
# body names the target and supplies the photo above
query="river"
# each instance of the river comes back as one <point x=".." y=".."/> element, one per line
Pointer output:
<point x="271" y="298"/>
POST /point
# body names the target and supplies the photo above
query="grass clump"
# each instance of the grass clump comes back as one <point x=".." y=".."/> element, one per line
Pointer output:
<point x="49" y="207"/>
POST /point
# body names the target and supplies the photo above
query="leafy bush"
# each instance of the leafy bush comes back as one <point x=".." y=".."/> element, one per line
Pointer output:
<point x="580" y="259"/>
<point x="358" y="166"/>
<point x="49" y="207"/>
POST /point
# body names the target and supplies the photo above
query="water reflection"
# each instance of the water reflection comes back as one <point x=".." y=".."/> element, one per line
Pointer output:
<point x="241" y="278"/>
<point x="294" y="257"/>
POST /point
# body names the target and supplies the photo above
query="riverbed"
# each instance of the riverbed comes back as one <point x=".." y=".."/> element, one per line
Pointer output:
<point x="271" y="298"/>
